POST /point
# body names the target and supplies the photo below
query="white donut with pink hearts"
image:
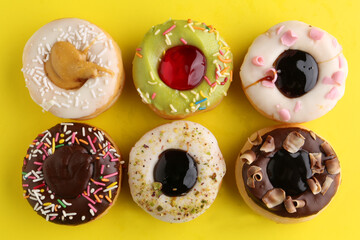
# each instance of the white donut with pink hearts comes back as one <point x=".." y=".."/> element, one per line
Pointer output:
<point x="294" y="72"/>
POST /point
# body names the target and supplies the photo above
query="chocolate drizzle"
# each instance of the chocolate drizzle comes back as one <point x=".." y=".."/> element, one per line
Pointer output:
<point x="83" y="156"/>
<point x="313" y="203"/>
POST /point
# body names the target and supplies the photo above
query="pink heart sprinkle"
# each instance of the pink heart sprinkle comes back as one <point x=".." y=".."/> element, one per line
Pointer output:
<point x="334" y="42"/>
<point x="289" y="38"/>
<point x="332" y="94"/>
<point x="279" y="29"/>
<point x="341" y="61"/>
<point x="328" y="80"/>
<point x="272" y="73"/>
<point x="284" y="114"/>
<point x="297" y="106"/>
<point x="316" y="34"/>
<point x="268" y="84"/>
<point x="258" y="61"/>
<point x="338" y="77"/>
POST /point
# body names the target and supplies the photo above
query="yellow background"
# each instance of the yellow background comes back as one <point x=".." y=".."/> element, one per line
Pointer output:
<point x="232" y="121"/>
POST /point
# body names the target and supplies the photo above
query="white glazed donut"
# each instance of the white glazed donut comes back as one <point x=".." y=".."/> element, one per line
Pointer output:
<point x="259" y="76"/>
<point x="97" y="93"/>
<point x="201" y="145"/>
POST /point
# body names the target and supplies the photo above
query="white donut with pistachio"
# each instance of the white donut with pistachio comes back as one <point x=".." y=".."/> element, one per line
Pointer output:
<point x="175" y="171"/>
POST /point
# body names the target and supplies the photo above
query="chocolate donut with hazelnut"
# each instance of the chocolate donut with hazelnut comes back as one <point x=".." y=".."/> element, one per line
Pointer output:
<point x="288" y="173"/>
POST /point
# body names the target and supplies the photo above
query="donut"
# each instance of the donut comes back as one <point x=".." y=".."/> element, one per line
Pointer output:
<point x="182" y="68"/>
<point x="288" y="174"/>
<point x="175" y="171"/>
<point x="72" y="173"/>
<point x="294" y="72"/>
<point x="73" y="69"/>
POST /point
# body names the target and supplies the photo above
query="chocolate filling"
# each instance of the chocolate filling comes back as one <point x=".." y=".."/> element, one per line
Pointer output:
<point x="177" y="172"/>
<point x="297" y="73"/>
<point x="313" y="203"/>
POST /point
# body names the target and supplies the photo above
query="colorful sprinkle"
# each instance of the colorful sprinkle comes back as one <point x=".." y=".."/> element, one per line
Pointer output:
<point x="169" y="29"/>
<point x="224" y="60"/>
<point x="202" y="100"/>
<point x="183" y="41"/>
<point x="89" y="199"/>
<point x="111" y="175"/>
<point x="92" y="207"/>
<point x="61" y="203"/>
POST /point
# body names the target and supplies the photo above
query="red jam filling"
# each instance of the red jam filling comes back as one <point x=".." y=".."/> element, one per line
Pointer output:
<point x="182" y="67"/>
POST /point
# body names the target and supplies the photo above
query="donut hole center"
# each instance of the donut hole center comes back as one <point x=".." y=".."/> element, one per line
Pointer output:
<point x="68" y="171"/>
<point x="182" y="67"/>
<point x="68" y="68"/>
<point x="297" y="73"/>
<point x="177" y="172"/>
<point x="289" y="171"/>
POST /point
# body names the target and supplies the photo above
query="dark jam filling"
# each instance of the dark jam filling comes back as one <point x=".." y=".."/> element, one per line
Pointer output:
<point x="182" y="67"/>
<point x="68" y="171"/>
<point x="290" y="171"/>
<point x="297" y="73"/>
<point x="176" y="171"/>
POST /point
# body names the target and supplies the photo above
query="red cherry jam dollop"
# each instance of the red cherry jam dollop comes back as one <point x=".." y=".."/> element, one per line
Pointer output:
<point x="182" y="67"/>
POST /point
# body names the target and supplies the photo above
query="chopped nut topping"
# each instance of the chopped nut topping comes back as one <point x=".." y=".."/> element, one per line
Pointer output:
<point x="254" y="174"/>
<point x="293" y="142"/>
<point x="256" y="141"/>
<point x="289" y="205"/>
<point x="268" y="145"/>
<point x="327" y="149"/>
<point x="253" y="170"/>
<point x="248" y="157"/>
<point x="157" y="185"/>
<point x="333" y="166"/>
<point x="326" y="185"/>
<point x="313" y="135"/>
<point x="299" y="203"/>
<point x="314" y="185"/>
<point x="250" y="182"/>
<point x="315" y="163"/>
<point x="274" y="197"/>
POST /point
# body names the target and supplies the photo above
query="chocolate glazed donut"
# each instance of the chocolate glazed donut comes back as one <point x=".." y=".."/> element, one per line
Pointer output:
<point x="288" y="174"/>
<point x="72" y="173"/>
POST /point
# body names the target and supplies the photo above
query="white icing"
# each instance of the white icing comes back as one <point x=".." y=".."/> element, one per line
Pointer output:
<point x="95" y="92"/>
<point x="201" y="145"/>
<point x="270" y="100"/>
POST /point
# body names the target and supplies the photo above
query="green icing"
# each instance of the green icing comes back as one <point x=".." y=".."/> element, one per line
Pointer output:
<point x="152" y="48"/>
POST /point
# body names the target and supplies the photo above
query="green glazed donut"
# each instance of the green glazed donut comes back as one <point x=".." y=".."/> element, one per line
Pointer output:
<point x="176" y="104"/>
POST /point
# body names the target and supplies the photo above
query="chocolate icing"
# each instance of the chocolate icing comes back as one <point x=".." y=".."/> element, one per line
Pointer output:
<point x="314" y="203"/>
<point x="79" y="172"/>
